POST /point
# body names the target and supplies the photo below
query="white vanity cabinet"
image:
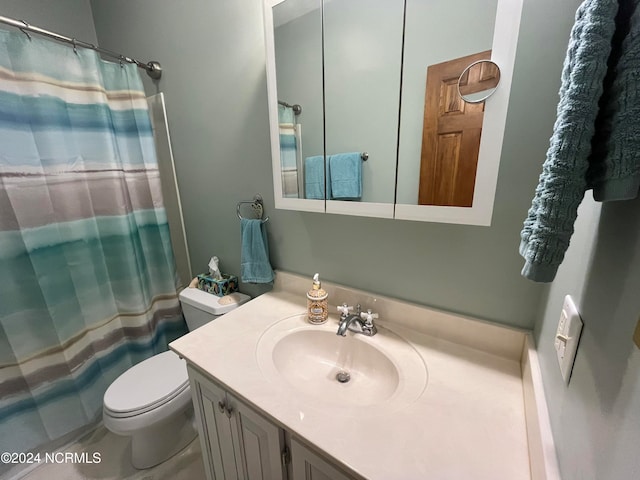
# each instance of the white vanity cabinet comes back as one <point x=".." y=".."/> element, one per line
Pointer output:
<point x="306" y="465"/>
<point x="237" y="443"/>
<point x="443" y="396"/>
<point x="240" y="444"/>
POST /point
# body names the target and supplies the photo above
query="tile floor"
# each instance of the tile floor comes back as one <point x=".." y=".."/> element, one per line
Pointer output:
<point x="115" y="464"/>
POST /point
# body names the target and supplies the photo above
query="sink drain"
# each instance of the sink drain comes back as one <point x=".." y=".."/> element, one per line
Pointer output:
<point x="343" y="377"/>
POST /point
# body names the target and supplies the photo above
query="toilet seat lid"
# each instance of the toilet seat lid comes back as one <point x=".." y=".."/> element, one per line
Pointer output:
<point x="148" y="384"/>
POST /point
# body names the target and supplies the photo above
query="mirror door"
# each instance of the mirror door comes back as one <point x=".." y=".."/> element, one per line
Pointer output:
<point x="293" y="36"/>
<point x="362" y="68"/>
<point x="437" y="158"/>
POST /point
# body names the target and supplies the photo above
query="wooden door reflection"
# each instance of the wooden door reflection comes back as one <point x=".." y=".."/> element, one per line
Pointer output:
<point x="451" y="134"/>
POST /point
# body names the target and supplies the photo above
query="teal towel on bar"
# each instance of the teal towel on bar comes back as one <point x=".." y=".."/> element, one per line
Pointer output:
<point x="314" y="183"/>
<point x="596" y="136"/>
<point x="254" y="261"/>
<point x="346" y="176"/>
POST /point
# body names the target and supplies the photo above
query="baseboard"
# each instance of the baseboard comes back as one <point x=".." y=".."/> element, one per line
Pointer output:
<point x="542" y="451"/>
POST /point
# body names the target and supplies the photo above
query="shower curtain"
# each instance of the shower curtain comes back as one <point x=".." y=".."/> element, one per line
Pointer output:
<point x="87" y="276"/>
<point x="290" y="151"/>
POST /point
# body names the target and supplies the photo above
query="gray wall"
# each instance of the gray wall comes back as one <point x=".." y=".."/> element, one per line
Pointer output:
<point x="214" y="82"/>
<point x="72" y="18"/>
<point x="596" y="418"/>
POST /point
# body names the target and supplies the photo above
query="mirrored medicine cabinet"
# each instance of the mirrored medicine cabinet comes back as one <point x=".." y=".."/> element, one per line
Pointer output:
<point x="389" y="87"/>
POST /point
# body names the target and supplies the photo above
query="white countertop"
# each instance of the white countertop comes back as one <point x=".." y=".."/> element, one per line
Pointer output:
<point x="469" y="422"/>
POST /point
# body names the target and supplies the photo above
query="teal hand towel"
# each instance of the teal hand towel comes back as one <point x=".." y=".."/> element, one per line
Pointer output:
<point x="314" y="183"/>
<point x="254" y="261"/>
<point x="346" y="176"/>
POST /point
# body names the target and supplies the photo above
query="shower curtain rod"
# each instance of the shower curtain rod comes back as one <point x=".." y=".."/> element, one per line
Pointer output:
<point x="297" y="109"/>
<point x="153" y="69"/>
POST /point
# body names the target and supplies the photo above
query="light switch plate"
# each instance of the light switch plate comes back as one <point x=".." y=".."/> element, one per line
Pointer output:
<point x="567" y="337"/>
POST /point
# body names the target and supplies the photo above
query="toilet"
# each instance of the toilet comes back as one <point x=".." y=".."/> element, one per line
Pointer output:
<point x="151" y="402"/>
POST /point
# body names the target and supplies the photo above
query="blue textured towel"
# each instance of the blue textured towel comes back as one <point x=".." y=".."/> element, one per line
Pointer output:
<point x="346" y="176"/>
<point x="254" y="255"/>
<point x="596" y="136"/>
<point x="314" y="177"/>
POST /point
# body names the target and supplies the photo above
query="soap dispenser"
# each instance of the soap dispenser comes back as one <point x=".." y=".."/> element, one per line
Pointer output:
<point x="317" y="305"/>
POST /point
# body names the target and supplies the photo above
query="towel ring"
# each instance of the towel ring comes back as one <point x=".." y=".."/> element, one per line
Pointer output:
<point x="256" y="205"/>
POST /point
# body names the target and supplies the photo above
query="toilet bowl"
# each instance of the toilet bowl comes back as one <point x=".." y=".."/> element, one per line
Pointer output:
<point x="151" y="401"/>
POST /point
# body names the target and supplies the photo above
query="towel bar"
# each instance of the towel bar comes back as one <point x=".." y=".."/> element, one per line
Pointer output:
<point x="256" y="205"/>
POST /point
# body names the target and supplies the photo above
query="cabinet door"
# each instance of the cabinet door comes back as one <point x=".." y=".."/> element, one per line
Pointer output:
<point x="309" y="466"/>
<point x="258" y="443"/>
<point x="362" y="45"/>
<point x="214" y="428"/>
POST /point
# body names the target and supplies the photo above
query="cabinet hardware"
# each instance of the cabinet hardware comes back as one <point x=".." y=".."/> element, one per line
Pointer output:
<point x="225" y="409"/>
<point x="286" y="456"/>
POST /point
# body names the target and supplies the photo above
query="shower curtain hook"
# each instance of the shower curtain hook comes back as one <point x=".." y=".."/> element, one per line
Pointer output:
<point x="26" y="25"/>
<point x="121" y="59"/>
<point x="75" y="49"/>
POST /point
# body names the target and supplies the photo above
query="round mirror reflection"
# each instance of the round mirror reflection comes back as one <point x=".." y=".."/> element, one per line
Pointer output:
<point x="478" y="81"/>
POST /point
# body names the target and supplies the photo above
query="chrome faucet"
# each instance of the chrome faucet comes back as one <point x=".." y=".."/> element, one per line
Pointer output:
<point x="363" y="321"/>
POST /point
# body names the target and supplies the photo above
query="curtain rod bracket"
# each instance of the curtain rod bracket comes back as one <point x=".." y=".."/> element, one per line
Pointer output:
<point x="154" y="69"/>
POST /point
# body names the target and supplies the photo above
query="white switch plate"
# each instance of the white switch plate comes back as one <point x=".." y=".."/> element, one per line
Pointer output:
<point x="567" y="337"/>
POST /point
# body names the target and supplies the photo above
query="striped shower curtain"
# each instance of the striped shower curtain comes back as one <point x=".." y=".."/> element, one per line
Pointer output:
<point x="290" y="151"/>
<point x="87" y="276"/>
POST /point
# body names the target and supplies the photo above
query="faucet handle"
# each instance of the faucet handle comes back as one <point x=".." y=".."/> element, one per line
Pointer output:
<point x="344" y="309"/>
<point x="368" y="316"/>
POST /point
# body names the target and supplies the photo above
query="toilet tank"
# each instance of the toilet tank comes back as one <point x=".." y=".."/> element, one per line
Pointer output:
<point x="201" y="307"/>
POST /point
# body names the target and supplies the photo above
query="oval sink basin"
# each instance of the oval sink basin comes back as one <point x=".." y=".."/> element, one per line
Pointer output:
<point x="354" y="370"/>
<point x="309" y="359"/>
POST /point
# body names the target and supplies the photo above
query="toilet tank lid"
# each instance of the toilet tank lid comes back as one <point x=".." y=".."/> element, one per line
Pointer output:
<point x="211" y="303"/>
